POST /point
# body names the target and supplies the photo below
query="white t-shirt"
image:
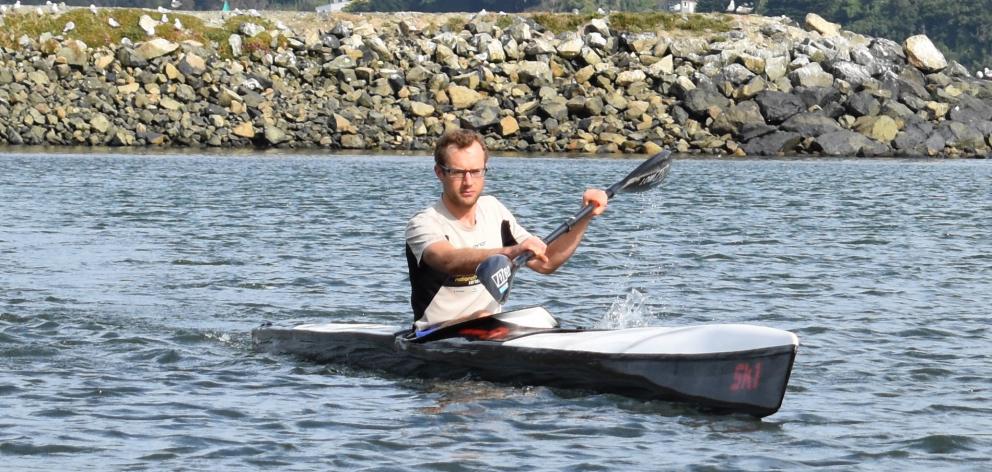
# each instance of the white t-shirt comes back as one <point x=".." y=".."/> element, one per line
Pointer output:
<point x="437" y="296"/>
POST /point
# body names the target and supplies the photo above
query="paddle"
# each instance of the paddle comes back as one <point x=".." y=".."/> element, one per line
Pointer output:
<point x="496" y="272"/>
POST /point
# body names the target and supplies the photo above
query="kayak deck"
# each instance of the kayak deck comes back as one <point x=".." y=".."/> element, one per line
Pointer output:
<point x="725" y="367"/>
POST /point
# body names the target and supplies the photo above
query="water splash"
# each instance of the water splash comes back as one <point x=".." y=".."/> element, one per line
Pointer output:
<point x="626" y="312"/>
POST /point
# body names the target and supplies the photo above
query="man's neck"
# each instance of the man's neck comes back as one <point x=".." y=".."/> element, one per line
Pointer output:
<point x="465" y="215"/>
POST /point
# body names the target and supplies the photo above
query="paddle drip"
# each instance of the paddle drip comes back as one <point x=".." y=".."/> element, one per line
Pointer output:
<point x="626" y="312"/>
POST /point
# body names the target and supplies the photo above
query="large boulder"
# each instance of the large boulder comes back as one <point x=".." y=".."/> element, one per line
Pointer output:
<point x="462" y="97"/>
<point x="918" y="139"/>
<point x="153" y="48"/>
<point x="736" y="116"/>
<point x="811" y="75"/>
<point x="773" y="144"/>
<point x="778" y="106"/>
<point x="880" y="128"/>
<point x="852" y="73"/>
<point x="962" y="136"/>
<point x="811" y="124"/>
<point x="702" y="102"/>
<point x="862" y="103"/>
<point x="923" y="55"/>
<point x="816" y="23"/>
<point x="840" y="143"/>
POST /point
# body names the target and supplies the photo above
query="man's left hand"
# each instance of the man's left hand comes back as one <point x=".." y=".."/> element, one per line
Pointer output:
<point x="597" y="198"/>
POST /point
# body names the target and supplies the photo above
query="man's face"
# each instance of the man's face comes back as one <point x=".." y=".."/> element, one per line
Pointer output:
<point x="462" y="189"/>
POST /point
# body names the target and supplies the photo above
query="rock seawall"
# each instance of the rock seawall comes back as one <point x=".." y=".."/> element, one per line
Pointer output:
<point x="395" y="82"/>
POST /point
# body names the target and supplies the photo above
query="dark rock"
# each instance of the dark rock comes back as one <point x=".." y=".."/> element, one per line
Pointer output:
<point x="554" y="108"/>
<point x="840" y="143"/>
<point x="481" y="118"/>
<point x="811" y="124"/>
<point x="698" y="102"/>
<point x="833" y="110"/>
<point x="962" y="136"/>
<point x="854" y="74"/>
<point x="970" y="110"/>
<point x="750" y="131"/>
<point x="912" y="140"/>
<point x="736" y="116"/>
<point x="773" y="144"/>
<point x="817" y="96"/>
<point x="778" y="106"/>
<point x="862" y="104"/>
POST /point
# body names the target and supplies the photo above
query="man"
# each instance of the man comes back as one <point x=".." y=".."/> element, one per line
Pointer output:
<point x="447" y="241"/>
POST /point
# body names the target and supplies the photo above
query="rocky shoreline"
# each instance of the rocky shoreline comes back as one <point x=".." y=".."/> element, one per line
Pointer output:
<point x="765" y="87"/>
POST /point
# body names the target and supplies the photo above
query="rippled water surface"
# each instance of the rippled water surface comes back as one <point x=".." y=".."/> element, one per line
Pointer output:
<point x="130" y="284"/>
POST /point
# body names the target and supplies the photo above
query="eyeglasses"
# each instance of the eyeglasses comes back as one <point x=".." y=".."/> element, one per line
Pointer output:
<point x="461" y="173"/>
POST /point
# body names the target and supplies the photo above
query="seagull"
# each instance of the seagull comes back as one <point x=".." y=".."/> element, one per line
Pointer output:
<point x="93" y="9"/>
<point x="69" y="27"/>
<point x="165" y="19"/>
<point x="178" y="24"/>
<point x="3" y="9"/>
<point x="17" y="4"/>
<point x="731" y="7"/>
<point x="176" y="4"/>
<point x="39" y="11"/>
<point x="980" y="75"/>
<point x="113" y="23"/>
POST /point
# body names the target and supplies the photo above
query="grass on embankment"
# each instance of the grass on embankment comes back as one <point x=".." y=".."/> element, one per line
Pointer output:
<point x="95" y="30"/>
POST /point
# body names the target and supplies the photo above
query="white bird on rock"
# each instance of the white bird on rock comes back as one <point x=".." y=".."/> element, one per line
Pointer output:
<point x="3" y="9"/>
<point x="165" y="19"/>
<point x="113" y="23"/>
<point x="69" y="27"/>
<point x="176" y="4"/>
<point x="731" y="7"/>
<point x="93" y="9"/>
<point x="17" y="4"/>
<point x="178" y="24"/>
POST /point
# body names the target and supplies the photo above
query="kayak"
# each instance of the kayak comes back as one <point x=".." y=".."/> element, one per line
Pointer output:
<point x="732" y="368"/>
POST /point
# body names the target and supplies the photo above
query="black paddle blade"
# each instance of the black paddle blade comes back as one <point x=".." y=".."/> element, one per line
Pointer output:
<point x="647" y="175"/>
<point x="496" y="274"/>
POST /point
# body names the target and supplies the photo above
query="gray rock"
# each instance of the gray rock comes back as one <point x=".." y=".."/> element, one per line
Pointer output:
<point x="555" y="108"/>
<point x="811" y="75"/>
<point x="235" y="42"/>
<point x="481" y="118"/>
<point x="840" y="143"/>
<point x="923" y="55"/>
<point x="862" y="104"/>
<point x="777" y="107"/>
<point x="914" y="140"/>
<point x="773" y="144"/>
<point x="737" y="116"/>
<point x="699" y="102"/>
<point x="855" y="74"/>
<point x="274" y="135"/>
<point x="811" y="124"/>
<point x="817" y="96"/>
<point x="736" y="74"/>
<point x="963" y="136"/>
<point x="970" y="110"/>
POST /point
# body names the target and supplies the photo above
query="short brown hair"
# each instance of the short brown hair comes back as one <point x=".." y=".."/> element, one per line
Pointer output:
<point x="459" y="139"/>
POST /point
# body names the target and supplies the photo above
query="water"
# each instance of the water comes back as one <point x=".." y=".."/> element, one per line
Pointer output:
<point x="130" y="285"/>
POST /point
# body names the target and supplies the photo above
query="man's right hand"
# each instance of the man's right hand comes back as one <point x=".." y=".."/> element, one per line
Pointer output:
<point x="534" y="245"/>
